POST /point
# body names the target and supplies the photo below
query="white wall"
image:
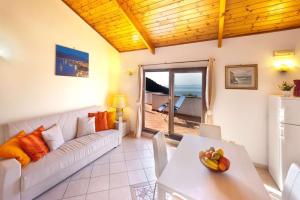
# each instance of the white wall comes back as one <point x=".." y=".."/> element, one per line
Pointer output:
<point x="241" y="113"/>
<point x="28" y="85"/>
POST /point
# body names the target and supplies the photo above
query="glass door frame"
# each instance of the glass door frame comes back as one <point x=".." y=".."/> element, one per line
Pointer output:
<point x="153" y="131"/>
<point x="172" y="71"/>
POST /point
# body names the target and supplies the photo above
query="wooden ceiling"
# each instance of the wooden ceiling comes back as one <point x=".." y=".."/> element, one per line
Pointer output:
<point x="139" y="24"/>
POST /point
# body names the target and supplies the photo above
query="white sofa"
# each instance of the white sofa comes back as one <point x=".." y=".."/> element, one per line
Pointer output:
<point x="27" y="183"/>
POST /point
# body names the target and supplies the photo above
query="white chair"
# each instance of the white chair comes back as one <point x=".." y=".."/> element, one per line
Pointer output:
<point x="291" y="188"/>
<point x="160" y="154"/>
<point x="161" y="160"/>
<point x="211" y="131"/>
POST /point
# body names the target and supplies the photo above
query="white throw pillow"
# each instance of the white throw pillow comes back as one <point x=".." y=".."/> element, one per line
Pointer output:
<point x="86" y="126"/>
<point x="53" y="137"/>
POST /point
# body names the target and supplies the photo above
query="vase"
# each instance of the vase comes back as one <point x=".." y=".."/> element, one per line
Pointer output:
<point x="287" y="93"/>
<point x="297" y="88"/>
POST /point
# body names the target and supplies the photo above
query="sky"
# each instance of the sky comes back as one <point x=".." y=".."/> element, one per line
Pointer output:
<point x="80" y="55"/>
<point x="162" y="78"/>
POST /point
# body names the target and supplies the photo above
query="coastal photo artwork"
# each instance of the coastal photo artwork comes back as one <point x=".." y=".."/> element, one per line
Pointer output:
<point x="241" y="77"/>
<point x="71" y="62"/>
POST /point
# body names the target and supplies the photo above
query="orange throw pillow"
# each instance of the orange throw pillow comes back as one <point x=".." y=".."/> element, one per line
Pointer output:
<point x="34" y="145"/>
<point x="100" y="120"/>
<point x="12" y="149"/>
<point x="111" y="117"/>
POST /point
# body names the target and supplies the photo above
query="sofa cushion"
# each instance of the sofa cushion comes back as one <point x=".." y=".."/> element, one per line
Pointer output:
<point x="85" y="126"/>
<point x="53" y="137"/>
<point x="111" y="118"/>
<point x="34" y="145"/>
<point x="65" y="156"/>
<point x="12" y="149"/>
<point x="100" y="120"/>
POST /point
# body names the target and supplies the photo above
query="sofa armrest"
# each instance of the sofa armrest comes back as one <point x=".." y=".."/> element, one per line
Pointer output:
<point x="10" y="174"/>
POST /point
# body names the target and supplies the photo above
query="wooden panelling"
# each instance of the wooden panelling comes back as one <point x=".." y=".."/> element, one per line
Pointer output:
<point x="139" y="24"/>
<point x="244" y="17"/>
<point x="135" y="24"/>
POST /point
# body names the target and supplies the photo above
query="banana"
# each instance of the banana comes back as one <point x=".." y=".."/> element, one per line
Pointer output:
<point x="210" y="164"/>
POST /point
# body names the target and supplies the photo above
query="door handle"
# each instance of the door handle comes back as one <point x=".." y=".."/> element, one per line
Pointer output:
<point x="281" y="135"/>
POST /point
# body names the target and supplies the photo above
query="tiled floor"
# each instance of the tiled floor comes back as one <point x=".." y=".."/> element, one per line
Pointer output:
<point x="110" y="177"/>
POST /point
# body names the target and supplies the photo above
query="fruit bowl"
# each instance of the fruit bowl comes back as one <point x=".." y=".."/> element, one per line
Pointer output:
<point x="214" y="160"/>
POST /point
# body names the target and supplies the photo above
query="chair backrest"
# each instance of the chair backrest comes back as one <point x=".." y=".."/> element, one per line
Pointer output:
<point x="179" y="102"/>
<point x="211" y="131"/>
<point x="160" y="153"/>
<point x="291" y="188"/>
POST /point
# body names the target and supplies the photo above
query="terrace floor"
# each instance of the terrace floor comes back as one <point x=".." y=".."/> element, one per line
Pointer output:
<point x="183" y="124"/>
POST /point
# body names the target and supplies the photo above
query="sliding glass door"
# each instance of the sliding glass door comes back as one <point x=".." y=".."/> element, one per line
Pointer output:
<point x="187" y="101"/>
<point x="156" y="93"/>
<point x="174" y="101"/>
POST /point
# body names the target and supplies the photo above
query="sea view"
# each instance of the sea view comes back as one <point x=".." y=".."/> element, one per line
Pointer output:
<point x="187" y="84"/>
<point x="188" y="90"/>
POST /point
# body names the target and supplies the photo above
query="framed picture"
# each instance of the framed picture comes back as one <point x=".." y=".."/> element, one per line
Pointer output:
<point x="71" y="62"/>
<point x="241" y="77"/>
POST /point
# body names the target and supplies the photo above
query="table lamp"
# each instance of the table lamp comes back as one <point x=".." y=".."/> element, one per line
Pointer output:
<point x="119" y="103"/>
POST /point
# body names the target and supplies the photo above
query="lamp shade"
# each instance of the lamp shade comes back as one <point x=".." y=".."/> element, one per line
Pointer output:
<point x="119" y="101"/>
<point x="284" y="60"/>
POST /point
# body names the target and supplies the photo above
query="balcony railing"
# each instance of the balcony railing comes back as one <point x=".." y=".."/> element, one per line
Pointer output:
<point x="191" y="106"/>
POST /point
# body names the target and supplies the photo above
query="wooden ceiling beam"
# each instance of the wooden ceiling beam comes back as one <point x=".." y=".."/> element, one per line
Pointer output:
<point x="136" y="25"/>
<point x="221" y="22"/>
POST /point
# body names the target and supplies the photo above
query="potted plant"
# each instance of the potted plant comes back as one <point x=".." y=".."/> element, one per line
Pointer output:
<point x="286" y="88"/>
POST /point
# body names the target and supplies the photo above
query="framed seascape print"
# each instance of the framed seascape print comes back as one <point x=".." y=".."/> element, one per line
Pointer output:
<point x="241" y="77"/>
<point x="71" y="62"/>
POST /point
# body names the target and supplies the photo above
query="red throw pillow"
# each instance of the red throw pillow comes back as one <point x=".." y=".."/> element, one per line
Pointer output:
<point x="100" y="120"/>
<point x="34" y="145"/>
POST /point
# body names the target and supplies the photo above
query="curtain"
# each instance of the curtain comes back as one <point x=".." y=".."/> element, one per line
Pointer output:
<point x="210" y="91"/>
<point x="139" y="123"/>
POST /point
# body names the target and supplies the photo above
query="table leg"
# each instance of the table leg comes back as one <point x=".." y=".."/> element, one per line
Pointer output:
<point x="161" y="194"/>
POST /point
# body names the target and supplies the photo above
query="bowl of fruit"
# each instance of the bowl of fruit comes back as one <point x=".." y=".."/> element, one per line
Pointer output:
<point x="214" y="159"/>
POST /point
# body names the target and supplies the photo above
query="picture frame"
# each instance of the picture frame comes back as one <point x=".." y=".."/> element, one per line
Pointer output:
<point x="71" y="62"/>
<point x="241" y="77"/>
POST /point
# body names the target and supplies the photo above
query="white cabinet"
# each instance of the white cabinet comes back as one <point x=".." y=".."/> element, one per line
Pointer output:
<point x="284" y="136"/>
<point x="290" y="111"/>
<point x="274" y="151"/>
<point x="123" y="127"/>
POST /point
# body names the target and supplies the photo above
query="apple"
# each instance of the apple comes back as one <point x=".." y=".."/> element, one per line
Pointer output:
<point x="224" y="161"/>
<point x="222" y="166"/>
